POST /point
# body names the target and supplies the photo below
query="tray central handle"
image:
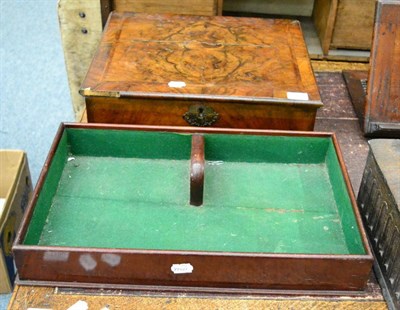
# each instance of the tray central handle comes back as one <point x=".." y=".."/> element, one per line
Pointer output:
<point x="197" y="163"/>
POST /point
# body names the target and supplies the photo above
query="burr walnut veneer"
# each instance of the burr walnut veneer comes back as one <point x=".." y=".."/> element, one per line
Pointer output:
<point x="202" y="71"/>
<point x="193" y="207"/>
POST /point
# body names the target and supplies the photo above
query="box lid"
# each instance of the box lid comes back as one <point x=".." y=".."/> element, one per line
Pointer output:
<point x="199" y="57"/>
<point x="387" y="155"/>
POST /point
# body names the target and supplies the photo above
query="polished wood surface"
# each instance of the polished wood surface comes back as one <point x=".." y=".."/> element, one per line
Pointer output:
<point x="140" y="54"/>
<point x="167" y="59"/>
<point x="284" y="7"/>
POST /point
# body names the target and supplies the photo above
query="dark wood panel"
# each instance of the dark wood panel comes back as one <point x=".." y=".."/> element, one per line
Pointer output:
<point x="197" y="163"/>
<point x="219" y="56"/>
<point x="378" y="200"/>
<point x="356" y="82"/>
<point x="382" y="113"/>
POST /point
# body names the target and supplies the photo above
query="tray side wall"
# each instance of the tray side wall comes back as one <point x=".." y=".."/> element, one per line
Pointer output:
<point x="266" y="149"/>
<point x="129" y="144"/>
<point x="348" y="219"/>
<point x="152" y="268"/>
<point x="46" y="195"/>
<point x="140" y="144"/>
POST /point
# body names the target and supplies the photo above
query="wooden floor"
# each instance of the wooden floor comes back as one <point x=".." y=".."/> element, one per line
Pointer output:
<point x="338" y="116"/>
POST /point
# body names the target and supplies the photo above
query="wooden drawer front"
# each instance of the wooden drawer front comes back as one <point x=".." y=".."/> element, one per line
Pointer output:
<point x="190" y="7"/>
<point x="354" y="24"/>
<point x="230" y="115"/>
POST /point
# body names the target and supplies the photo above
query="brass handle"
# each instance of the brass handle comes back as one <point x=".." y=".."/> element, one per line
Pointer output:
<point x="200" y="115"/>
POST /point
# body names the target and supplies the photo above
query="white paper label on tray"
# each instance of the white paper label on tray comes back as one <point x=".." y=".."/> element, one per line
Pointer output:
<point x="297" y="95"/>
<point x="176" y="84"/>
<point x="181" y="268"/>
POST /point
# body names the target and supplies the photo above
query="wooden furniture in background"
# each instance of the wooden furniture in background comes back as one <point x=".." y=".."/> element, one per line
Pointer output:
<point x="324" y="15"/>
<point x="191" y="7"/>
<point x="376" y="95"/>
<point x="382" y="106"/>
<point x="353" y="25"/>
<point x="340" y="24"/>
<point x="270" y="7"/>
<point x="344" y="24"/>
<point x="356" y="82"/>
<point x="379" y="201"/>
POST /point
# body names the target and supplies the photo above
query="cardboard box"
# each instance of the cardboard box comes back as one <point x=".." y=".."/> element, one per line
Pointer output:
<point x="15" y="191"/>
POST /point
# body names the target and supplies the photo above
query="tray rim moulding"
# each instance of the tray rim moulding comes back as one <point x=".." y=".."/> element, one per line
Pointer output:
<point x="151" y="269"/>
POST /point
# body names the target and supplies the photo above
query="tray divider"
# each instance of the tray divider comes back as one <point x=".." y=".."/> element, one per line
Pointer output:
<point x="197" y="164"/>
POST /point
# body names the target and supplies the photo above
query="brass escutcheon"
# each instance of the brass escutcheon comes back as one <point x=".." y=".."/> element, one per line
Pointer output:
<point x="200" y="115"/>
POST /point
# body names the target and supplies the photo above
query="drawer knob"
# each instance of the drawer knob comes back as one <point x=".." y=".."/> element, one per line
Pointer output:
<point x="200" y="115"/>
